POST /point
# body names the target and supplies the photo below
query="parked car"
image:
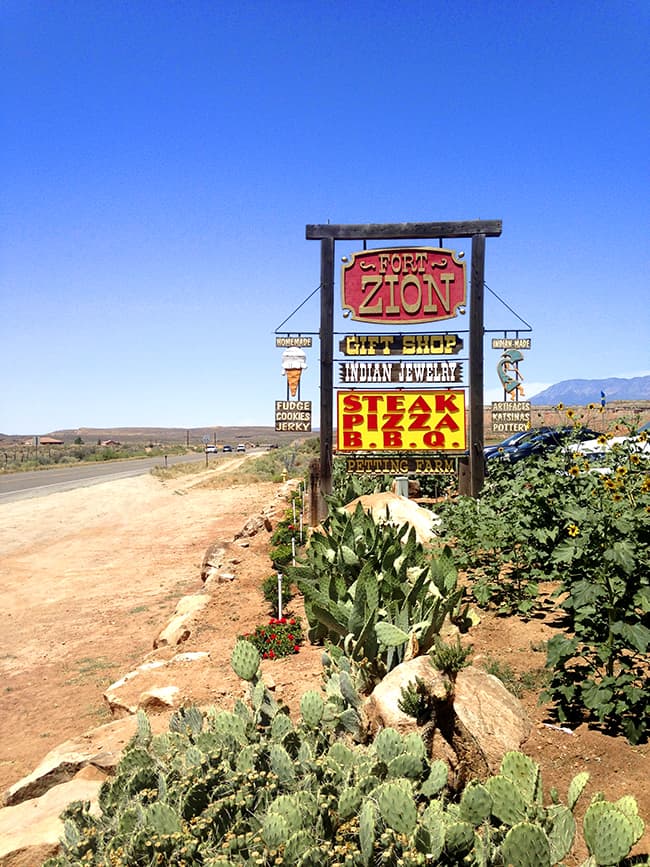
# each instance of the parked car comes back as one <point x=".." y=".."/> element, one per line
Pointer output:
<point x="596" y="449"/>
<point x="546" y="439"/>
<point x="241" y="447"/>
<point x="227" y="448"/>
<point x="211" y="450"/>
<point x="507" y="445"/>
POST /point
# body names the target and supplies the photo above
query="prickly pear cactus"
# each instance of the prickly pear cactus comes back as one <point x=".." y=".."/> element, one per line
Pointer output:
<point x="311" y="708"/>
<point x="274" y="830"/>
<point x="367" y="825"/>
<point x="609" y="832"/>
<point x="459" y="840"/>
<point x="437" y="779"/>
<point x="397" y="807"/>
<point x="245" y="660"/>
<point x="576" y="788"/>
<point x="561" y="830"/>
<point x="475" y="804"/>
<point x="388" y="744"/>
<point x="526" y="845"/>
<point x="508" y="804"/>
<point x="525" y="774"/>
<point x="281" y="763"/>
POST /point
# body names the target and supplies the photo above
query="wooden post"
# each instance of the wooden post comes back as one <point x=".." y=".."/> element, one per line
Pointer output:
<point x="476" y="332"/>
<point x="326" y="371"/>
<point x="314" y="492"/>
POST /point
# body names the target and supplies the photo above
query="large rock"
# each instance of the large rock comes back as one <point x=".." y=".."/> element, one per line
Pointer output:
<point x="179" y="627"/>
<point x="100" y="748"/>
<point x="489" y="720"/>
<point x="386" y="507"/>
<point x="159" y="684"/>
<point x="29" y="832"/>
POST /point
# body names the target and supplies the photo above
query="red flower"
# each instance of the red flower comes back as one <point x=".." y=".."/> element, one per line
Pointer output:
<point x="271" y="654"/>
<point x="296" y="648"/>
<point x="265" y="655"/>
<point x="292" y="622"/>
<point x="290" y="636"/>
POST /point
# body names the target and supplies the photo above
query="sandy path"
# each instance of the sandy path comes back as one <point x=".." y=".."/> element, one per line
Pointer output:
<point x="87" y="579"/>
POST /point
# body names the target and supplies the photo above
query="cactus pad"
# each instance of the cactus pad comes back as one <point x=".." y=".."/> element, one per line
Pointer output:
<point x="311" y="708"/>
<point x="397" y="807"/>
<point x="437" y="779"/>
<point x="508" y="804"/>
<point x="245" y="660"/>
<point x="459" y="839"/>
<point x="526" y="845"/>
<point x="562" y="831"/>
<point x="388" y="744"/>
<point x="475" y="804"/>
<point x="274" y="830"/>
<point x="524" y="773"/>
<point x="609" y="834"/>
<point x="367" y="822"/>
<point x="281" y="763"/>
<point x="576" y="787"/>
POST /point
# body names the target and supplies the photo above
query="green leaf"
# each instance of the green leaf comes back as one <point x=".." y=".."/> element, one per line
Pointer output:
<point x="635" y="634"/>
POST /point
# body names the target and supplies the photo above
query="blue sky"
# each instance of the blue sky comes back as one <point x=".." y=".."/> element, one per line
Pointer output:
<point x="160" y="161"/>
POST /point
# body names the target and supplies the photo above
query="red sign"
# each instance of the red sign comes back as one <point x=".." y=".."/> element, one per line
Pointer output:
<point x="409" y="284"/>
<point x="401" y="420"/>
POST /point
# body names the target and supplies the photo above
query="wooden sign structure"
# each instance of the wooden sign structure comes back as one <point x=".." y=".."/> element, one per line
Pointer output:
<point x="434" y="290"/>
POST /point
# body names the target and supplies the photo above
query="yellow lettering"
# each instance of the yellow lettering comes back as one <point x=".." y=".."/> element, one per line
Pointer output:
<point x="375" y="283"/>
<point x="351" y="345"/>
<point x="412" y="306"/>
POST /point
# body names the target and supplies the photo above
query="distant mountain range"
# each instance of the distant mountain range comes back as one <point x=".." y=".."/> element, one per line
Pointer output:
<point x="580" y="392"/>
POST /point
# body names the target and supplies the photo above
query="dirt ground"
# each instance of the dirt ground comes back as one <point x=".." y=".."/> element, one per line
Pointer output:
<point x="90" y="577"/>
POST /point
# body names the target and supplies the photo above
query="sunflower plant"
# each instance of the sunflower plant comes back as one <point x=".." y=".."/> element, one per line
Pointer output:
<point x="604" y="562"/>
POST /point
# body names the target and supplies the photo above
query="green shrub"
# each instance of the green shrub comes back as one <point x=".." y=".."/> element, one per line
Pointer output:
<point x="280" y="637"/>
<point x="270" y="591"/>
<point x="554" y="518"/>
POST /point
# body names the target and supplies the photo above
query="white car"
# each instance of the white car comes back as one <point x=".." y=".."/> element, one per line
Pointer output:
<point x="241" y="448"/>
<point x="639" y="444"/>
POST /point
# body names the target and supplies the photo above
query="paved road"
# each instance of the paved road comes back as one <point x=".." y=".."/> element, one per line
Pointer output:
<point x="39" y="483"/>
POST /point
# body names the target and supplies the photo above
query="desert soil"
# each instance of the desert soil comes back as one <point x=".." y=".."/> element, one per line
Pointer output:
<point x="90" y="577"/>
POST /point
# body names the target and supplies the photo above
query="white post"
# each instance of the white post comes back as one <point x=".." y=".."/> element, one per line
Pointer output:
<point x="293" y="550"/>
<point x="279" y="595"/>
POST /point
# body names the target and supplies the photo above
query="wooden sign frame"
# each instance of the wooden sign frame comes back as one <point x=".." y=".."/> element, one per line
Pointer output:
<point x="471" y="469"/>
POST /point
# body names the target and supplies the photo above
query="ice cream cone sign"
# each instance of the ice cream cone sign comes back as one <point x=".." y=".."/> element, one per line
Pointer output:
<point x="294" y="361"/>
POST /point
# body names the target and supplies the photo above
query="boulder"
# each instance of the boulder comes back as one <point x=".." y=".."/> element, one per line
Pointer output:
<point x="30" y="831"/>
<point x="100" y="747"/>
<point x="386" y="507"/>
<point x="178" y="628"/>
<point x="159" y="684"/>
<point x="213" y="560"/>
<point x="487" y="721"/>
<point x="253" y="526"/>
